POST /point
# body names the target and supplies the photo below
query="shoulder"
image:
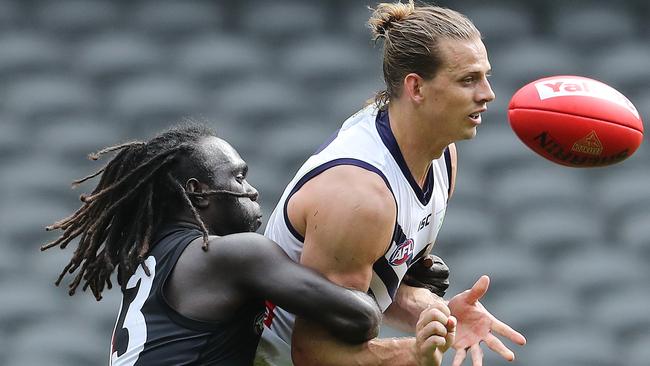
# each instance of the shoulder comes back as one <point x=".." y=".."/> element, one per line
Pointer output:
<point x="239" y="249"/>
<point x="348" y="186"/>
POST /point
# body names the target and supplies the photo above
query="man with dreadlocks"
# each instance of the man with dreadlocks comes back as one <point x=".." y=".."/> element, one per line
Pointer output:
<point x="174" y="217"/>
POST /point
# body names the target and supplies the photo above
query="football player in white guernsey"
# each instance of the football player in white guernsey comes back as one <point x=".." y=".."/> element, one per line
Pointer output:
<point x="370" y="202"/>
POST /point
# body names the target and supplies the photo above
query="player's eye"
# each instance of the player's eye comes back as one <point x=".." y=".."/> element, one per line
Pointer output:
<point x="468" y="80"/>
<point x="240" y="178"/>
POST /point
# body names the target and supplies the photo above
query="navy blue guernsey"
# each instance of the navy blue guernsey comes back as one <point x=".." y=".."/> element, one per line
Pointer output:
<point x="149" y="332"/>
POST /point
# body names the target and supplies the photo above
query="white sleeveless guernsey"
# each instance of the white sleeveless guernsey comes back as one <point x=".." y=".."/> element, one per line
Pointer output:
<point x="365" y="140"/>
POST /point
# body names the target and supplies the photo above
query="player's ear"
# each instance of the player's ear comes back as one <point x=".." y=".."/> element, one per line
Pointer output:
<point x="194" y="186"/>
<point x="413" y="84"/>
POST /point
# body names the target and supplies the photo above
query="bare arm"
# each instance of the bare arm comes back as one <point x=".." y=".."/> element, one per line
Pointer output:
<point x="267" y="272"/>
<point x="409" y="302"/>
<point x="347" y="215"/>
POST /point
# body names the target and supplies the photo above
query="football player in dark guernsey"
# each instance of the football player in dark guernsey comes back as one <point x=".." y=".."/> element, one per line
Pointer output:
<point x="174" y="217"/>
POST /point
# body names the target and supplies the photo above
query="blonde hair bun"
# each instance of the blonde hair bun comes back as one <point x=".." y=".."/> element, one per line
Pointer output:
<point x="386" y="15"/>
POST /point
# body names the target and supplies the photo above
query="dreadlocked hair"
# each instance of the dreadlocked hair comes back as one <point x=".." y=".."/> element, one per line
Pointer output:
<point x="117" y="220"/>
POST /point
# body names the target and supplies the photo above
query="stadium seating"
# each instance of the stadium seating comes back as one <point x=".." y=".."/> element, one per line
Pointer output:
<point x="638" y="350"/>
<point x="575" y="25"/>
<point x="281" y="22"/>
<point x="581" y="344"/>
<point x="566" y="249"/>
<point x="76" y="19"/>
<point x="171" y="21"/>
<point x="204" y="60"/>
<point x="30" y="54"/>
<point x="39" y="100"/>
<point x="149" y="103"/>
<point x="530" y="59"/>
<point x="112" y="57"/>
<point x="619" y="65"/>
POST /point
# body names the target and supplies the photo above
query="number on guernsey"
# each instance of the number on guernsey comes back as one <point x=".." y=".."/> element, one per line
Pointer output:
<point x="130" y="331"/>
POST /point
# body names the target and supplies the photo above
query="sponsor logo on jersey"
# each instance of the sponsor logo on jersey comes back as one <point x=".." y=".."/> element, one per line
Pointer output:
<point x="402" y="253"/>
<point x="589" y="144"/>
<point x="562" y="87"/>
<point x="258" y="324"/>
<point x="269" y="313"/>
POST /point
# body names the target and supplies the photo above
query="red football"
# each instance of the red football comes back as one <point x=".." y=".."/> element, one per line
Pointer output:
<point x="576" y="121"/>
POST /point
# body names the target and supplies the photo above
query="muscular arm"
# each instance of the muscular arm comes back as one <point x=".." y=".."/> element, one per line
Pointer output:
<point x="267" y="272"/>
<point x="347" y="215"/>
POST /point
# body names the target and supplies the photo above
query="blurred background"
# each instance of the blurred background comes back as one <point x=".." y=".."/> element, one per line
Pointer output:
<point x="567" y="249"/>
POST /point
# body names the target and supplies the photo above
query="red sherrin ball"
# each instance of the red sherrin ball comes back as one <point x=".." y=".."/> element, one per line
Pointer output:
<point x="576" y="121"/>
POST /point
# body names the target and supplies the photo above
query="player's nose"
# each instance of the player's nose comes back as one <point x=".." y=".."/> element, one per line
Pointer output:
<point x="485" y="93"/>
<point x="253" y="193"/>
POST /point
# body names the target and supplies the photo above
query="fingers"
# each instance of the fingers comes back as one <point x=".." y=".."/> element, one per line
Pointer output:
<point x="477" y="355"/>
<point x="431" y="315"/>
<point x="506" y="331"/>
<point x="479" y="289"/>
<point x="497" y="346"/>
<point x="459" y="357"/>
<point x="451" y="330"/>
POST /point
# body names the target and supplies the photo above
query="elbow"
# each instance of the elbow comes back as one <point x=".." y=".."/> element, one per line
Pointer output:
<point x="364" y="326"/>
<point x="369" y="322"/>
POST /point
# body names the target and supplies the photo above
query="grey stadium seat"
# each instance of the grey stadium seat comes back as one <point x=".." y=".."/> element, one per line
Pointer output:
<point x="325" y="62"/>
<point x="26" y="301"/>
<point x="67" y="337"/>
<point x="259" y="102"/>
<point x="633" y="231"/>
<point x="548" y="231"/>
<point x="465" y="222"/>
<point x="536" y="307"/>
<point x="25" y="221"/>
<point x="72" y="139"/>
<point x="14" y="140"/>
<point x="145" y="105"/>
<point x="576" y="345"/>
<point x="508" y="267"/>
<point x="622" y="189"/>
<point x="39" y="100"/>
<point x="26" y="54"/>
<point x="516" y="189"/>
<point x="631" y="304"/>
<point x="592" y="27"/>
<point x="9" y="14"/>
<point x="77" y="18"/>
<point x="490" y="20"/>
<point x="639" y="351"/>
<point x="527" y="60"/>
<point x="215" y="60"/>
<point x="282" y="21"/>
<point x="340" y="103"/>
<point x="619" y="66"/>
<point x="494" y="152"/>
<point x="599" y="270"/>
<point x="115" y="56"/>
<point x="174" y="20"/>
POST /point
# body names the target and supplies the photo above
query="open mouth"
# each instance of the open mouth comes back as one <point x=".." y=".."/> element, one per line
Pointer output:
<point x="475" y="117"/>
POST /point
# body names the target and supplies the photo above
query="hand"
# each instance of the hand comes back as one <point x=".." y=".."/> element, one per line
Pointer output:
<point x="429" y="272"/>
<point x="434" y="334"/>
<point x="476" y="324"/>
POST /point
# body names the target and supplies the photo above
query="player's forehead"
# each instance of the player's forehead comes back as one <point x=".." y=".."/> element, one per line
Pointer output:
<point x="220" y="155"/>
<point x="464" y="56"/>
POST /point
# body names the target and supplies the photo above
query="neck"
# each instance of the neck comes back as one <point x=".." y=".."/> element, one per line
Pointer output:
<point x="414" y="137"/>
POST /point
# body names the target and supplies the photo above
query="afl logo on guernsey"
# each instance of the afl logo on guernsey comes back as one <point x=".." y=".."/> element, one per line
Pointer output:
<point x="402" y="253"/>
